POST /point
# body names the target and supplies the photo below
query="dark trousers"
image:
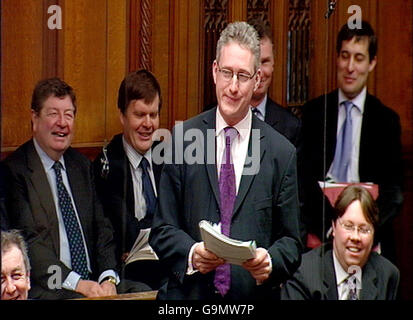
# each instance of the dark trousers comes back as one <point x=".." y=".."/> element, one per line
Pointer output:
<point x="148" y="272"/>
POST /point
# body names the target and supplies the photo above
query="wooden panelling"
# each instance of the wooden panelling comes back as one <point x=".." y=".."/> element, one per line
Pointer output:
<point x="85" y="57"/>
<point x="279" y="22"/>
<point x="116" y="63"/>
<point x="394" y="70"/>
<point x="184" y="85"/>
<point x="161" y="55"/>
<point x="21" y="66"/>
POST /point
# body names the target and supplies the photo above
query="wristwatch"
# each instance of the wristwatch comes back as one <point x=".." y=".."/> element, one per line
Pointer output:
<point x="111" y="279"/>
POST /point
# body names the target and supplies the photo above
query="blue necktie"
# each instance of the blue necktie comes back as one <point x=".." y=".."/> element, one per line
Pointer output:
<point x="344" y="145"/>
<point x="227" y="191"/>
<point x="257" y="112"/>
<point x="147" y="189"/>
<point x="74" y="235"/>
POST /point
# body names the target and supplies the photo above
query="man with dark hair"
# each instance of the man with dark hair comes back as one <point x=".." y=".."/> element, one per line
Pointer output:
<point x="52" y="199"/>
<point x="347" y="269"/>
<point x="359" y="137"/>
<point x="263" y="106"/>
<point x="15" y="266"/>
<point x="128" y="197"/>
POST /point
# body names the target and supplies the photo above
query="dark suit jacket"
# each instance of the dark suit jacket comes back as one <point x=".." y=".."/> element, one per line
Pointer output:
<point x="315" y="279"/>
<point x="116" y="194"/>
<point x="379" y="161"/>
<point x="32" y="210"/>
<point x="284" y="121"/>
<point x="266" y="210"/>
<point x="4" y="219"/>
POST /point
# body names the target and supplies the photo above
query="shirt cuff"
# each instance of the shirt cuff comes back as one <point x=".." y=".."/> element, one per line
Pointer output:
<point x="71" y="281"/>
<point x="109" y="273"/>
<point x="191" y="270"/>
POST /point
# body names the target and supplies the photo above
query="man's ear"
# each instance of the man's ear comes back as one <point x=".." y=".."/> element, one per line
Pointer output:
<point x="257" y="79"/>
<point x="121" y="117"/>
<point x="333" y="228"/>
<point x="372" y="64"/>
<point x="214" y="70"/>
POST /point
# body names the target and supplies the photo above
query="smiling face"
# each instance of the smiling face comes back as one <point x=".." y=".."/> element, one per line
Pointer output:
<point x="53" y="125"/>
<point x="267" y="68"/>
<point x="140" y="121"/>
<point x="354" y="66"/>
<point x="352" y="248"/>
<point x="234" y="97"/>
<point x="15" y="281"/>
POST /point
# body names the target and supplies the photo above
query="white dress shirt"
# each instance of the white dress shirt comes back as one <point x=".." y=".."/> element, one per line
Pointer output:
<point x="357" y="118"/>
<point x="239" y="147"/>
<point x="73" y="278"/>
<point x="135" y="158"/>
<point x="261" y="108"/>
<point x="341" y="276"/>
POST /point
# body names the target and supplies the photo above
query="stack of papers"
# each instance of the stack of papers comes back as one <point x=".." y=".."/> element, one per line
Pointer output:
<point x="231" y="250"/>
<point x="141" y="249"/>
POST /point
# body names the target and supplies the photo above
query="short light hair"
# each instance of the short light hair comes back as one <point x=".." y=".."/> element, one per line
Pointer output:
<point x="14" y="238"/>
<point x="243" y="34"/>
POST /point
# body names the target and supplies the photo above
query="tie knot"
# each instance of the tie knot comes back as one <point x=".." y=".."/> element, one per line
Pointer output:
<point x="230" y="133"/>
<point x="349" y="106"/>
<point x="57" y="166"/>
<point x="144" y="164"/>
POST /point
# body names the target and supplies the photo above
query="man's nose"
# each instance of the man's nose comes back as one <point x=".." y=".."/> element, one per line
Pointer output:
<point x="61" y="120"/>
<point x="8" y="286"/>
<point x="234" y="83"/>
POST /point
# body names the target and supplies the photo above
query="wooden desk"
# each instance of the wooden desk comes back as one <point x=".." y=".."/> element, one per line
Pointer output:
<point x="147" y="295"/>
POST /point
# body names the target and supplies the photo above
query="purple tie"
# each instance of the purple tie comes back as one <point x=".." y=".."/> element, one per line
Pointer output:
<point x="227" y="191"/>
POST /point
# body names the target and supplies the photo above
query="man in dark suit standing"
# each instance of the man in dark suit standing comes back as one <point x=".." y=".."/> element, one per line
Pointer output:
<point x="53" y="201"/>
<point x="120" y="177"/>
<point x="366" y="148"/>
<point x="228" y="167"/>
<point x="346" y="269"/>
<point x="263" y="106"/>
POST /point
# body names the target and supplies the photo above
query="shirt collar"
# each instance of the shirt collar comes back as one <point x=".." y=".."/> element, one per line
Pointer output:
<point x="134" y="156"/>
<point x="358" y="101"/>
<point x="45" y="159"/>
<point x="262" y="106"/>
<point x="243" y="127"/>
<point x="341" y="274"/>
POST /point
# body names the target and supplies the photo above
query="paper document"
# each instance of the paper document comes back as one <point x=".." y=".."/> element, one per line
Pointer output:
<point x="231" y="250"/>
<point x="141" y="249"/>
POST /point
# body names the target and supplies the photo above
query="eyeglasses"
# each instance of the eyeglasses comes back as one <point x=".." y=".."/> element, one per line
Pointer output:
<point x="350" y="228"/>
<point x="242" y="77"/>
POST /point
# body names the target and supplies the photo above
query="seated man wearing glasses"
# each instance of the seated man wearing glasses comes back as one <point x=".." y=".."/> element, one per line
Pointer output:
<point x="347" y="270"/>
<point x="15" y="266"/>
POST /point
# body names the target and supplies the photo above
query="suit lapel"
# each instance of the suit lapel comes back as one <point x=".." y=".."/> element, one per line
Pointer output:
<point x="77" y="185"/>
<point x="246" y="180"/>
<point x="329" y="278"/>
<point x="40" y="183"/>
<point x="369" y="288"/>
<point x="331" y="131"/>
<point x="209" y="122"/>
<point x="270" y="116"/>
